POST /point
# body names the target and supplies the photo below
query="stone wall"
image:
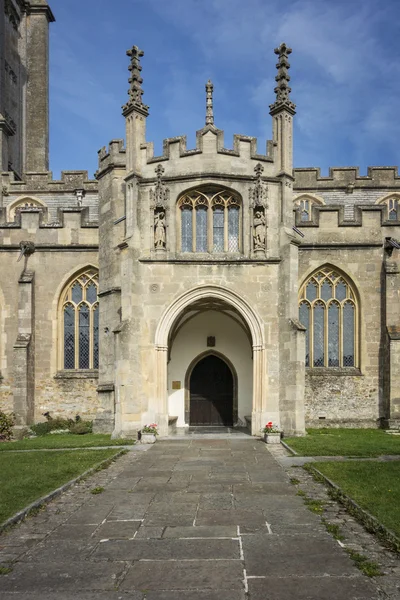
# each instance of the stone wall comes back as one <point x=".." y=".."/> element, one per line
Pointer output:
<point x="356" y="247"/>
<point x="62" y="248"/>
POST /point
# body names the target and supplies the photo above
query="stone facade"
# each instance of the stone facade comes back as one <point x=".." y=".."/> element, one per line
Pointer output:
<point x="201" y="253"/>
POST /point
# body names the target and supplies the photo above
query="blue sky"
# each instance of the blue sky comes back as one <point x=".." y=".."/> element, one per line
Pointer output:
<point x="345" y="74"/>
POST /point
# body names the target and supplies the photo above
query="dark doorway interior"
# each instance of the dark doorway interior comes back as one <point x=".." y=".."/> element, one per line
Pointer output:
<point x="211" y="393"/>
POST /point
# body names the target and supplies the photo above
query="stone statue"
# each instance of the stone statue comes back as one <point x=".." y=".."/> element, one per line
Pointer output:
<point x="159" y="231"/>
<point x="259" y="230"/>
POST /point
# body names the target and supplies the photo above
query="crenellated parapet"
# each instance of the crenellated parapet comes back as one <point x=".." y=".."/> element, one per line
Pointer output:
<point x="244" y="146"/>
<point x="346" y="178"/>
<point x="38" y="218"/>
<point x="33" y="183"/>
<point x="112" y="157"/>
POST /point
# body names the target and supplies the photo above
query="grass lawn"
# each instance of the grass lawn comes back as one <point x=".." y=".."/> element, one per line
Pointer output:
<point x="374" y="486"/>
<point x="345" y="442"/>
<point x="67" y="440"/>
<point x="26" y="476"/>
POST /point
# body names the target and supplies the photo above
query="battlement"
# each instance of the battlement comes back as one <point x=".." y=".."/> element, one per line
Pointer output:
<point x="114" y="156"/>
<point x="334" y="215"/>
<point x="238" y="140"/>
<point x="43" y="182"/>
<point x="346" y="177"/>
<point x="38" y="218"/>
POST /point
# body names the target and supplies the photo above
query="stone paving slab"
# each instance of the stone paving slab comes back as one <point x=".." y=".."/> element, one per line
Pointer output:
<point x="267" y="555"/>
<point x="311" y="588"/>
<point x="167" y="549"/>
<point x="198" y="519"/>
<point x="185" y="575"/>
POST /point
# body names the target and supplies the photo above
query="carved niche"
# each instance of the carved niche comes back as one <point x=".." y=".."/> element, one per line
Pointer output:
<point x="159" y="198"/>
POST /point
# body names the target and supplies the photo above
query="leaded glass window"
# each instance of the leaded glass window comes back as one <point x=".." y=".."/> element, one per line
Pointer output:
<point x="201" y="229"/>
<point x="328" y="310"/>
<point x="187" y="229"/>
<point x="233" y="229"/>
<point x="210" y="221"/>
<point x="218" y="229"/>
<point x="79" y="342"/>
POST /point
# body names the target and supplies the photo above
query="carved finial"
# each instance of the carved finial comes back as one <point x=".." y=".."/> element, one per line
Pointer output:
<point x="209" y="103"/>
<point x="159" y="172"/>
<point x="259" y="191"/>
<point x="135" y="91"/>
<point x="159" y="196"/>
<point x="258" y="169"/>
<point x="282" y="89"/>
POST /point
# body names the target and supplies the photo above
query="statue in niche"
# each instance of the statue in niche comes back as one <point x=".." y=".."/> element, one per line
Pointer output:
<point x="159" y="231"/>
<point x="259" y="230"/>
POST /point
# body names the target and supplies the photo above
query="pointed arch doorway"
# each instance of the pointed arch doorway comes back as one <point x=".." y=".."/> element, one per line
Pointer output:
<point x="211" y="392"/>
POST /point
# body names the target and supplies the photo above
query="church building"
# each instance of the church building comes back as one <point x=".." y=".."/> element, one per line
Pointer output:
<point x="208" y="286"/>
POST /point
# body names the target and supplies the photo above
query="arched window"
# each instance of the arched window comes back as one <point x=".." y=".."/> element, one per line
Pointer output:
<point x="328" y="309"/>
<point x="393" y="209"/>
<point x="391" y="202"/>
<point x="24" y="204"/>
<point x="79" y="319"/>
<point x="304" y="205"/>
<point x="209" y="221"/>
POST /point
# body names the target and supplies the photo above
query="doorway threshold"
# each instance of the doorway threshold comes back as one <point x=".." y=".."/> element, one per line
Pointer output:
<point x="209" y="431"/>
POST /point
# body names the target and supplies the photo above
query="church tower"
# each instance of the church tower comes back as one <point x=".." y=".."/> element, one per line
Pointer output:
<point x="24" y="85"/>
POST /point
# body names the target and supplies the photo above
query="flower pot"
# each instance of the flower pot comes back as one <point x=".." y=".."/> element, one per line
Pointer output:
<point x="147" y="438"/>
<point x="272" y="438"/>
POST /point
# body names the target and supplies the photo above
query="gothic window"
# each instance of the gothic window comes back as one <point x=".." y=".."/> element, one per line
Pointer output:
<point x="304" y="207"/>
<point x="209" y="221"/>
<point x="24" y="204"/>
<point x="393" y="209"/>
<point x="328" y="309"/>
<point x="79" y="322"/>
<point x="391" y="204"/>
<point x="305" y="212"/>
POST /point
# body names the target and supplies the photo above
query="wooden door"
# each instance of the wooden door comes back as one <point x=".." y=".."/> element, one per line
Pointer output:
<point x="211" y="393"/>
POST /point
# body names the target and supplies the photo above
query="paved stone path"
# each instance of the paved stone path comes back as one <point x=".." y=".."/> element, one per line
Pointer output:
<point x="211" y="519"/>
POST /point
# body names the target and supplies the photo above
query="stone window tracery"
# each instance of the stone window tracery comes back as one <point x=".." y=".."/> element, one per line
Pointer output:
<point x="393" y="209"/>
<point x="79" y="322"/>
<point x="25" y="204"/>
<point x="209" y="221"/>
<point x="304" y="205"/>
<point x="328" y="309"/>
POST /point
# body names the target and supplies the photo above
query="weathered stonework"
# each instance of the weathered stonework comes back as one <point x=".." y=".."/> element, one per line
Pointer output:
<point x="161" y="302"/>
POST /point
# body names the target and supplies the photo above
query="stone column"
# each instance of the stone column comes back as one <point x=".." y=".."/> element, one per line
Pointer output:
<point x="259" y="413"/>
<point x="23" y="355"/>
<point x="161" y="416"/>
